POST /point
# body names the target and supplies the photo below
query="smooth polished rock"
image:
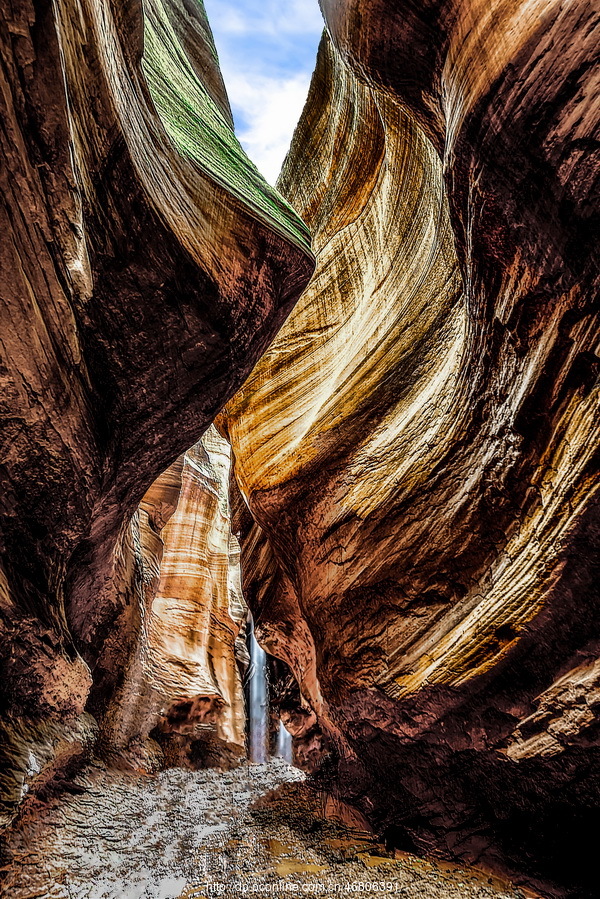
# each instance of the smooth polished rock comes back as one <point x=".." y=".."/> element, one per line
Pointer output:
<point x="145" y="265"/>
<point x="419" y="445"/>
<point x="183" y="685"/>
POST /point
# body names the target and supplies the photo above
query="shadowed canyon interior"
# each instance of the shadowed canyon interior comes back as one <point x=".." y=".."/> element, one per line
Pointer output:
<point x="363" y="406"/>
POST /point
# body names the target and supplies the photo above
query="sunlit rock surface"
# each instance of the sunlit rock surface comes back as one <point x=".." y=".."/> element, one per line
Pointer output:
<point x="419" y="446"/>
<point x="144" y="267"/>
<point x="199" y="608"/>
<point x="183" y="683"/>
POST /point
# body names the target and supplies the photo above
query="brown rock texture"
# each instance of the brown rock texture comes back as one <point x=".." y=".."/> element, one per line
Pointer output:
<point x="127" y="834"/>
<point x="183" y="683"/>
<point x="144" y="267"/>
<point x="419" y="445"/>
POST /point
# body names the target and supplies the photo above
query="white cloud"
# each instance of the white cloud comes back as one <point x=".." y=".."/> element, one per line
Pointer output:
<point x="231" y="22"/>
<point x="272" y="108"/>
<point x="265" y="49"/>
<point x="265" y="17"/>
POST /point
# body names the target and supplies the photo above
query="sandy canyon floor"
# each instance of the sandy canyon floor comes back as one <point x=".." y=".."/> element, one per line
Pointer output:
<point x="253" y="831"/>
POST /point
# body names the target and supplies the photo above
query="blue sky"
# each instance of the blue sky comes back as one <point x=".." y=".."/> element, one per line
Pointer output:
<point x="267" y="50"/>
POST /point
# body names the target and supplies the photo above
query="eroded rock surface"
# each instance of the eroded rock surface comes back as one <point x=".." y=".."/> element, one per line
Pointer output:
<point x="145" y="265"/>
<point x="419" y="446"/>
<point x="184" y="679"/>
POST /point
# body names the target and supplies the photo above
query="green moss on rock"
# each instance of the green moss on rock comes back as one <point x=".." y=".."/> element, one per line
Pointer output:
<point x="196" y="124"/>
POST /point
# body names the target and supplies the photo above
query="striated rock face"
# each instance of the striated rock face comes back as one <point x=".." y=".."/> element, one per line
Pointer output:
<point x="144" y="267"/>
<point x="199" y="607"/>
<point x="419" y="446"/>
<point x="183" y="682"/>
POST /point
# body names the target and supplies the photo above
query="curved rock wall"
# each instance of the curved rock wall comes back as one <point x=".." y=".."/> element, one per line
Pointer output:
<point x="199" y="608"/>
<point x="183" y="682"/>
<point x="144" y="267"/>
<point x="419" y="446"/>
<point x="335" y="416"/>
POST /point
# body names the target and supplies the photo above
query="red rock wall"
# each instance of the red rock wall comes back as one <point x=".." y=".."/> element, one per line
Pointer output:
<point x="144" y="267"/>
<point x="183" y="682"/>
<point x="419" y="446"/>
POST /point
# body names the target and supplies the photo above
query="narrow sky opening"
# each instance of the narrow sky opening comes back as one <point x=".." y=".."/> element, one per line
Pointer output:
<point x="267" y="50"/>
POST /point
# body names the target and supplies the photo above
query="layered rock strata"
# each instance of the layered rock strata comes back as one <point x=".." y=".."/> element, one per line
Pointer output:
<point x="419" y="445"/>
<point x="183" y="683"/>
<point x="199" y="609"/>
<point x="144" y="267"/>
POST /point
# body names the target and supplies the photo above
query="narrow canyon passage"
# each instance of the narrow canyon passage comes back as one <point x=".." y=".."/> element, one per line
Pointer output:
<point x="307" y="469"/>
<point x="256" y="830"/>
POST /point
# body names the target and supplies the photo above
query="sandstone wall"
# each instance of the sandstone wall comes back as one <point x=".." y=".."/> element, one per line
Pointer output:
<point x="419" y="446"/>
<point x="144" y="267"/>
<point x="183" y="682"/>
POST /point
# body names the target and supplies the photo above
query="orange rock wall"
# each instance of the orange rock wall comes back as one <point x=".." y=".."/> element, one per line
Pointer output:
<point x="419" y="445"/>
<point x="184" y="677"/>
<point x="144" y="267"/>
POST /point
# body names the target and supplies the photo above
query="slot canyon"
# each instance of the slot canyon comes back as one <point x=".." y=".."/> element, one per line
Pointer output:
<point x="299" y="485"/>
